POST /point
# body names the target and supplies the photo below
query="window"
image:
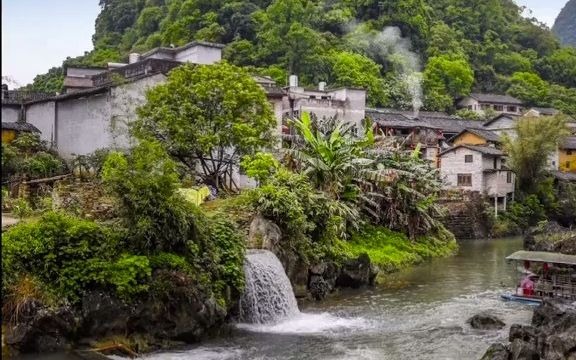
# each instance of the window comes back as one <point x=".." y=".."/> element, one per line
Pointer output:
<point x="495" y="163"/>
<point x="512" y="108"/>
<point x="312" y="96"/>
<point x="509" y="177"/>
<point x="468" y="158"/>
<point x="567" y="164"/>
<point x="469" y="107"/>
<point x="464" y="179"/>
<point x="568" y="152"/>
<point x="498" y="107"/>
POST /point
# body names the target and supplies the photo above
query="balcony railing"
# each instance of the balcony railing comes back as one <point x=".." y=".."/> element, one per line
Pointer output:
<point x="22" y="96"/>
<point x="148" y="66"/>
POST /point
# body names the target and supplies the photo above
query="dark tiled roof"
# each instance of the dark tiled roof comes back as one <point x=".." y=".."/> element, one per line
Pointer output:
<point x="564" y="176"/>
<point x="546" y="111"/>
<point x="486" y="150"/>
<point x="499" y="116"/>
<point x="433" y="120"/>
<point x="19" y="126"/>
<point x="495" y="98"/>
<point x="397" y="120"/>
<point x="485" y="134"/>
<point x="451" y="125"/>
<point x="569" y="143"/>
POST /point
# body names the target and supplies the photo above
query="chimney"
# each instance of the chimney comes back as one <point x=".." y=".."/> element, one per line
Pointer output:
<point x="321" y="85"/>
<point x="293" y="81"/>
<point x="133" y="58"/>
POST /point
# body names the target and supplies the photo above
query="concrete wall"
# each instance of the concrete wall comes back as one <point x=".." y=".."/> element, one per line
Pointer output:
<point x="200" y="54"/>
<point x="496" y="183"/>
<point x="82" y="125"/>
<point x="42" y="116"/>
<point x="10" y="114"/>
<point x="452" y="164"/>
<point x="470" y="102"/>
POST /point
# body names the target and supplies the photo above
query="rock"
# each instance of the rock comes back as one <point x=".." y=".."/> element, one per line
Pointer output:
<point x="486" y="322"/>
<point x="524" y="333"/>
<point x="46" y="330"/>
<point x="181" y="312"/>
<point x="356" y="273"/>
<point x="522" y="350"/>
<point x="263" y="234"/>
<point x="318" y="287"/>
<point x="554" y="311"/>
<point x="559" y="346"/>
<point x="496" y="351"/>
<point x="103" y="315"/>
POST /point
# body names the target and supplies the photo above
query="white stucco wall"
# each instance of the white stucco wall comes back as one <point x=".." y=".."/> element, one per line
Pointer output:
<point x="452" y="164"/>
<point x="496" y="183"/>
<point x="10" y="114"/>
<point x="200" y="55"/>
<point x="42" y="116"/>
<point x="468" y="101"/>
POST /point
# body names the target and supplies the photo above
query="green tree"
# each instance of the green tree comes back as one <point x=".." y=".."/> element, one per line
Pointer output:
<point x="207" y="117"/>
<point x="529" y="88"/>
<point x="559" y="67"/>
<point x="536" y="139"/>
<point x="445" y="75"/>
<point x="350" y="69"/>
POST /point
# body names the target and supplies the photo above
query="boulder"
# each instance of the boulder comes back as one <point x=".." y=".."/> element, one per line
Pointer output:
<point x="43" y="330"/>
<point x="318" y="287"/>
<point x="522" y="350"/>
<point x="103" y="315"/>
<point x="486" y="322"/>
<point x="496" y="351"/>
<point x="357" y="272"/>
<point x="263" y="234"/>
<point x="554" y="312"/>
<point x="524" y="333"/>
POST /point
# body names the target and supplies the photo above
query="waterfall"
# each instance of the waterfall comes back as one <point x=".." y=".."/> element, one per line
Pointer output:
<point x="268" y="296"/>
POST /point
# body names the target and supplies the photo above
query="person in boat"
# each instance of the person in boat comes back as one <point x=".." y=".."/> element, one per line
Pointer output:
<point x="527" y="284"/>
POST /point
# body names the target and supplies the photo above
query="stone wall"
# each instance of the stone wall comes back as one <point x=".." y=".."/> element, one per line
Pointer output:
<point x="466" y="217"/>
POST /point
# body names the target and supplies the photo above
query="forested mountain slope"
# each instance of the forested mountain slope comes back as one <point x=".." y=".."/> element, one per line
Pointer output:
<point x="450" y="47"/>
<point x="565" y="24"/>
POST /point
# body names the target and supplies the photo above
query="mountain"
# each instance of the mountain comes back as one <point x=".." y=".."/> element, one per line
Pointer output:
<point x="397" y="49"/>
<point x="565" y="24"/>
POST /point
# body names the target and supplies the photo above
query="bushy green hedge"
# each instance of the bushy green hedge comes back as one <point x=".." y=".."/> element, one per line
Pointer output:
<point x="392" y="250"/>
<point x="71" y="255"/>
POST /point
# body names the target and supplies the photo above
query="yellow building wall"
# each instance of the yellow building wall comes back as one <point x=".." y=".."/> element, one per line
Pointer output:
<point x="564" y="159"/>
<point x="8" y="135"/>
<point x="469" y="139"/>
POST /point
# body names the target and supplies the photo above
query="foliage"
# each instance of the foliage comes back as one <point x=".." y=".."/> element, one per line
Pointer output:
<point x="527" y="213"/>
<point x="70" y="256"/>
<point x="21" y="208"/>
<point x="448" y="76"/>
<point x="51" y="82"/>
<point x="28" y="156"/>
<point x="207" y="117"/>
<point x="145" y="184"/>
<point x="392" y="251"/>
<point x="537" y="138"/>
<point x="261" y="166"/>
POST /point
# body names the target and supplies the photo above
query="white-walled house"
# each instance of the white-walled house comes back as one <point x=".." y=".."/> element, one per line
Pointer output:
<point x="479" y="169"/>
<point x="479" y="103"/>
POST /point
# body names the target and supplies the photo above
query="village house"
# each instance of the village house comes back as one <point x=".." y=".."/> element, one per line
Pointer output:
<point x="478" y="168"/>
<point x="567" y="155"/>
<point x="480" y="103"/>
<point x="473" y="136"/>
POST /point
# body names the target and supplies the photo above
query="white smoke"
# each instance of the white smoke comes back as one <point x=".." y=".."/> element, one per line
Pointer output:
<point x="389" y="45"/>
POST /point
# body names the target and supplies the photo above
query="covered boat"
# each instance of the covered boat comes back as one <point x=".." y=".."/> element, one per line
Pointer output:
<point x="543" y="274"/>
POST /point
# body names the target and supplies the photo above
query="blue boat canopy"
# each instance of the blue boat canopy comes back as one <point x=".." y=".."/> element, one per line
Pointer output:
<point x="543" y="256"/>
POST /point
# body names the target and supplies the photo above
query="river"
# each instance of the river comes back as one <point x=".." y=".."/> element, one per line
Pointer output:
<point x="419" y="313"/>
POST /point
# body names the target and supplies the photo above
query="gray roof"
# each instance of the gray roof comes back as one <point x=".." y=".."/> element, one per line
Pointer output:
<point x="496" y="98"/>
<point x="452" y="125"/>
<point x="397" y="120"/>
<point x="564" y="176"/>
<point x="19" y="126"/>
<point x="499" y="116"/>
<point x="569" y="143"/>
<point x="485" y="134"/>
<point x="546" y="111"/>
<point x="543" y="256"/>
<point x="486" y="150"/>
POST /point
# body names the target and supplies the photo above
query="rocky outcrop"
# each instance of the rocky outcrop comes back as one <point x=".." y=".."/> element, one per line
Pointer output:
<point x="551" y="336"/>
<point x="486" y="322"/>
<point x="551" y="237"/>
<point x="180" y="312"/>
<point x="357" y="272"/>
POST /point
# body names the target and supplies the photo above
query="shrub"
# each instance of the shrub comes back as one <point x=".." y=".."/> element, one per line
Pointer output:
<point x="527" y="213"/>
<point x="71" y="255"/>
<point x="21" y="208"/>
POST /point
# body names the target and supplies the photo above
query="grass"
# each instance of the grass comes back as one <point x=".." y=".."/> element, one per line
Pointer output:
<point x="392" y="251"/>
